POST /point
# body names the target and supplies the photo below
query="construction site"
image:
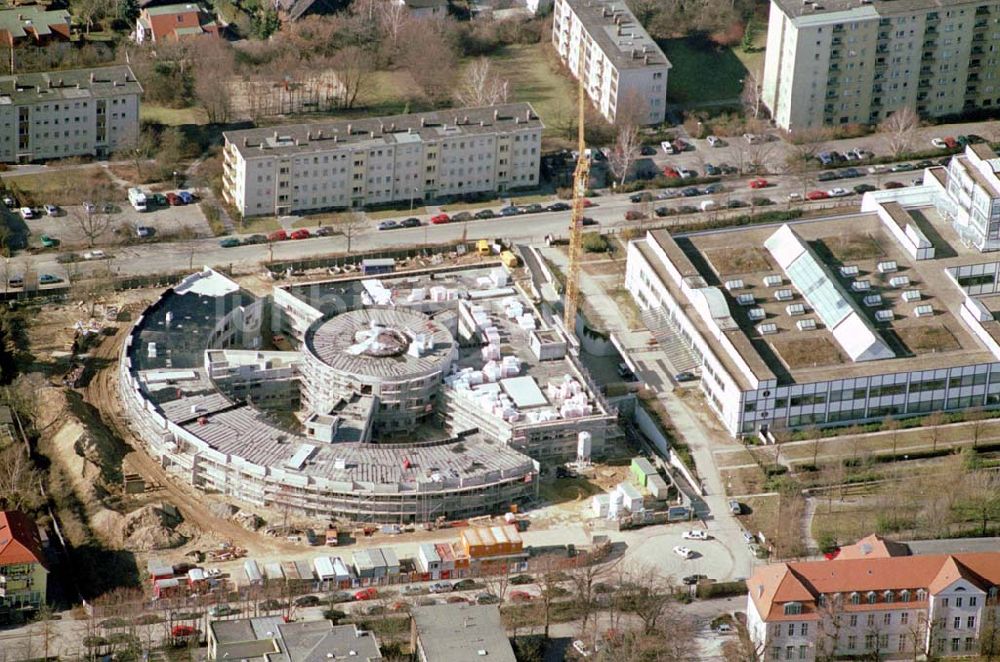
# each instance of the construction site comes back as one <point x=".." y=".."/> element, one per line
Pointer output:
<point x="413" y="397"/>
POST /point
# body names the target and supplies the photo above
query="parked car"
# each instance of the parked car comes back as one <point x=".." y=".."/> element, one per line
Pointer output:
<point x="17" y="280"/>
<point x="558" y="206"/>
<point x="222" y="610"/>
<point x="440" y="219"/>
<point x="714" y="141"/>
<point x="667" y="194"/>
<point x="863" y="153"/>
<point x="462" y="216"/>
<point x="157" y="200"/>
<point x="643" y="196"/>
<point x="687" y="173"/>
<point x="324" y="231"/>
<point x="838" y="192"/>
<point x="94" y="255"/>
<point x="694" y="534"/>
<point x="486" y="598"/>
<point x="369" y="593"/>
<point x="686" y="376"/>
<point x="307" y="601"/>
<point x="186" y="197"/>
<point x="724" y="628"/>
<point x="690" y="192"/>
<point x="521" y="596"/>
<point x="634" y="215"/>
<point x="465" y="585"/>
<point x="667" y="147"/>
<point x="817" y="195"/>
<point x="387" y="225"/>
<point x="712" y="189"/>
<point x="902" y="167"/>
<point x="410" y="223"/>
<point x="532" y="209"/>
<point x="301" y="233"/>
<point x="924" y="164"/>
<point x="735" y="508"/>
<point x="625" y="372"/>
<point x="483" y="214"/>
<point x="795" y="197"/>
<point x="27" y="213"/>
<point x="736" y="204"/>
<point x="9" y="201"/>
<point x="827" y="176"/>
<point x="48" y="242"/>
<point x="182" y="631"/>
<point x="712" y="170"/>
<point x="749" y="538"/>
<point x="950" y="142"/>
<point x="861" y="189"/>
<point x="588" y="221"/>
<point x="277" y="235"/>
<point x="683" y="552"/>
<point x="686" y="209"/>
<point x="851" y="173"/>
<point x="647" y="150"/>
<point x="891" y="185"/>
<point x="760" y="202"/>
<point x="691" y="580"/>
<point x="663" y="211"/>
<point x="52" y="210"/>
<point x="759" y="183"/>
<point x="411" y="589"/>
<point x="670" y="172"/>
<point x="510" y="210"/>
<point x="174" y="200"/>
<point x="973" y="139"/>
<point x="441" y="587"/>
<point x="229" y="242"/>
<point x="143" y="231"/>
<point x="255" y="239"/>
<point x="581" y="648"/>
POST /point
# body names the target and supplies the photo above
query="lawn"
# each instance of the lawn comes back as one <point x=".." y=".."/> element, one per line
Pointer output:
<point x="395" y="213"/>
<point x="72" y="187"/>
<point x="259" y="224"/>
<point x="533" y="78"/>
<point x="702" y="71"/>
<point x="172" y="116"/>
<point x="392" y="93"/>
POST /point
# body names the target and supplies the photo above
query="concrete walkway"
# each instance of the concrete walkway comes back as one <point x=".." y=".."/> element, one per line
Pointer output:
<point x="688" y="426"/>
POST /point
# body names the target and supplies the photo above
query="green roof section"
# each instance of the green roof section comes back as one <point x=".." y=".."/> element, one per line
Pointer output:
<point x="17" y="21"/>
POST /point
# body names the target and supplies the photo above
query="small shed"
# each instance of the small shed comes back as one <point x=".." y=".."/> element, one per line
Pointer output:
<point x="641" y="469"/>
<point x="391" y="560"/>
<point x="253" y="573"/>
<point x="658" y="488"/>
<point x="272" y="571"/>
<point x="159" y="570"/>
<point x="369" y="564"/>
<point x="428" y="560"/>
<point x="167" y="588"/>
<point x="342" y="571"/>
<point x="631" y="499"/>
<point x="323" y="567"/>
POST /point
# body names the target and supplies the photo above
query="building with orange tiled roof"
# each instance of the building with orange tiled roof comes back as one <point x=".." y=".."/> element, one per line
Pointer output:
<point x="874" y="600"/>
<point x="23" y="575"/>
<point x="173" y="23"/>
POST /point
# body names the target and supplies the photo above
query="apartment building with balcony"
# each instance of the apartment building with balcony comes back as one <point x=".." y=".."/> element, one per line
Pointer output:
<point x="23" y="575"/>
<point x="381" y="160"/>
<point x="624" y="71"/>
<point x="857" y="61"/>
<point x="968" y="195"/>
<point x="57" y="114"/>
<point x="873" y="602"/>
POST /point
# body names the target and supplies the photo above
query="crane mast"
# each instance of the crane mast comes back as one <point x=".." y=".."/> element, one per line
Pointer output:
<point x="581" y="177"/>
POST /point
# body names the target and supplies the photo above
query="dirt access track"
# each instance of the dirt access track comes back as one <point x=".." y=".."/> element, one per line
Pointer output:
<point x="102" y="393"/>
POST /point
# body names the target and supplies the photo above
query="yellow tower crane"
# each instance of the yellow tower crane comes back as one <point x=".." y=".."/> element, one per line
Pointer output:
<point x="581" y="177"/>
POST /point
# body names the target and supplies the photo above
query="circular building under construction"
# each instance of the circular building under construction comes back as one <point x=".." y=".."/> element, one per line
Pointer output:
<point x="386" y="413"/>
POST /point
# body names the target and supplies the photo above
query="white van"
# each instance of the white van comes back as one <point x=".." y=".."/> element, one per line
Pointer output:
<point x="667" y="147"/>
<point x="137" y="199"/>
<point x="708" y="205"/>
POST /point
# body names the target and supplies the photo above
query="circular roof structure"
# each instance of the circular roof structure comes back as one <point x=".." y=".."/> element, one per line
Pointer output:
<point x="390" y="343"/>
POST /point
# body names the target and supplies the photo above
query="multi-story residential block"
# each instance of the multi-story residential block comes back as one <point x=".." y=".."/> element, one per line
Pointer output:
<point x="23" y="575"/>
<point x="172" y="23"/>
<point x="57" y="114"/>
<point x="625" y="72"/>
<point x="857" y="61"/>
<point x="969" y="196"/>
<point x="309" y="167"/>
<point x="871" y="602"/>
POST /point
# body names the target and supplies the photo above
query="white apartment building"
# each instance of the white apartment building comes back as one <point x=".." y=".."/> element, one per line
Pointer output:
<point x="873" y="603"/>
<point x="623" y="68"/>
<point x="856" y="61"/>
<point x="57" y="114"/>
<point x="969" y="196"/>
<point x="310" y="167"/>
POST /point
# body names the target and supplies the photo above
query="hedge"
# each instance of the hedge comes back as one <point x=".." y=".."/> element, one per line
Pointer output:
<point x="721" y="589"/>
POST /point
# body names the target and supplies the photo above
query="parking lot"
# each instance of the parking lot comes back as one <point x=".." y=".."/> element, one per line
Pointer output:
<point x="69" y="228"/>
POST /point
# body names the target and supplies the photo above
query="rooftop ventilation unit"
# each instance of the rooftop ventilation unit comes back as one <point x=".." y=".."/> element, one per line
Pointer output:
<point x="849" y="271"/>
<point x="773" y="280"/>
<point x="767" y="329"/>
<point x="756" y="314"/>
<point x="736" y="284"/>
<point x="887" y="267"/>
<point x="795" y="309"/>
<point x="806" y="324"/>
<point x="861" y="286"/>
<point x="883" y="315"/>
<point x="873" y="300"/>
<point x="909" y="296"/>
<point x="923" y="311"/>
<point x="784" y="295"/>
<point x="746" y="300"/>
<point x="899" y="281"/>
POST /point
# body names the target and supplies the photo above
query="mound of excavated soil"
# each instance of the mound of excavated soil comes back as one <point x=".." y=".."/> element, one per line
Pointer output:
<point x="151" y="527"/>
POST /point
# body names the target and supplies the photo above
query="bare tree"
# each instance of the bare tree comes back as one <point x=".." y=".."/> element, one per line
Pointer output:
<point x="92" y="222"/>
<point x="624" y="151"/>
<point x="933" y="422"/>
<point x="18" y="480"/>
<point x="584" y="577"/>
<point x="350" y="223"/>
<point x="213" y="70"/>
<point x="981" y="497"/>
<point x="989" y="631"/>
<point x="392" y="18"/>
<point x="900" y="130"/>
<point x="891" y="425"/>
<point x="752" y="95"/>
<point x="354" y="71"/>
<point x="481" y="85"/>
<point x="137" y="146"/>
<point x="498" y="583"/>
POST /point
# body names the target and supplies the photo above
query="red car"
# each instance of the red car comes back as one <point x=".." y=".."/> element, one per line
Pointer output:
<point x="951" y="142"/>
<point x="300" y="234"/>
<point x="759" y="183"/>
<point x="521" y="596"/>
<point x="440" y="218"/>
<point x="633" y="215"/>
<point x="182" y="631"/>
<point x="671" y="172"/>
<point x="817" y="195"/>
<point x="366" y="594"/>
<point x="277" y="235"/>
<point x="680" y="145"/>
<point x="587" y="203"/>
<point x="174" y="200"/>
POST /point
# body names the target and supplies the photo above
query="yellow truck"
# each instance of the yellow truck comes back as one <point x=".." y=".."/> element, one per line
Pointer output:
<point x="509" y="259"/>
